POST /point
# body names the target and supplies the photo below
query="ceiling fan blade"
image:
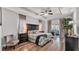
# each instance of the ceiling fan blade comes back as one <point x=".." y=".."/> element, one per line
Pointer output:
<point x="41" y="14"/>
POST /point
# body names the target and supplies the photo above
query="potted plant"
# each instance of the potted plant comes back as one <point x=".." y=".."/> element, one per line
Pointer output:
<point x="66" y="25"/>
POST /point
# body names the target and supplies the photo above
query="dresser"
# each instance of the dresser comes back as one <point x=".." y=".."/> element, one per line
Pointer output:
<point x="71" y="43"/>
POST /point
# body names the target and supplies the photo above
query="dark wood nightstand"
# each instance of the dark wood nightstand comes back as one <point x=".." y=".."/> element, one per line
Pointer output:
<point x="23" y="37"/>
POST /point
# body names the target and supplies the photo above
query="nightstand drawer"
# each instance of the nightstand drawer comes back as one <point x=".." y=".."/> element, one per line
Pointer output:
<point x="23" y="37"/>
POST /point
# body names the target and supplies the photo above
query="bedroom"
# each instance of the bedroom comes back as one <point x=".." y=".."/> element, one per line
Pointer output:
<point x="33" y="28"/>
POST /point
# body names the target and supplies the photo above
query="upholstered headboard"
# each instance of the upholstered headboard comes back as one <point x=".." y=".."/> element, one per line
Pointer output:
<point x="32" y="27"/>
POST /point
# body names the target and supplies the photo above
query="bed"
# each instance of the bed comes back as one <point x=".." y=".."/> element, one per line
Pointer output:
<point x="39" y="38"/>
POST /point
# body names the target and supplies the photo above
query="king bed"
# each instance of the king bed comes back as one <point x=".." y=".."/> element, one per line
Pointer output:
<point x="39" y="38"/>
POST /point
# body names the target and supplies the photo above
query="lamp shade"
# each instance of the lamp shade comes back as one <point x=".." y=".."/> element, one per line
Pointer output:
<point x="25" y="28"/>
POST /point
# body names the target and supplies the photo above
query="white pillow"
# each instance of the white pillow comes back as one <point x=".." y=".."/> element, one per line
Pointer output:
<point x="9" y="37"/>
<point x="30" y="32"/>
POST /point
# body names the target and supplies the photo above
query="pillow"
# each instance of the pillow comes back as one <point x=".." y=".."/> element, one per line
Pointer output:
<point x="36" y="31"/>
<point x="9" y="37"/>
<point x="33" y="32"/>
<point x="30" y="32"/>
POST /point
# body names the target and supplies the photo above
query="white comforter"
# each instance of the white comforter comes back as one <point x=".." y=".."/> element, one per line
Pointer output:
<point x="42" y="40"/>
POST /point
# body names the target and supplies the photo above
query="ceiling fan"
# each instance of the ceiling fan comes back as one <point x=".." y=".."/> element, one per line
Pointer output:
<point x="46" y="11"/>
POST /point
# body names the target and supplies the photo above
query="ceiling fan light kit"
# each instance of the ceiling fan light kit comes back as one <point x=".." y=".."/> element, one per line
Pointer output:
<point x="46" y="11"/>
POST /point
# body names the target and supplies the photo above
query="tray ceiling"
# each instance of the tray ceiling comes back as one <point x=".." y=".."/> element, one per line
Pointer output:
<point x="66" y="11"/>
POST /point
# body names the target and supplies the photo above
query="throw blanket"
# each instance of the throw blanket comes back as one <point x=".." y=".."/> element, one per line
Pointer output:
<point x="38" y="37"/>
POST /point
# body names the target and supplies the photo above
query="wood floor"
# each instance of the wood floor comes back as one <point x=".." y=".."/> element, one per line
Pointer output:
<point x="53" y="45"/>
<point x="33" y="47"/>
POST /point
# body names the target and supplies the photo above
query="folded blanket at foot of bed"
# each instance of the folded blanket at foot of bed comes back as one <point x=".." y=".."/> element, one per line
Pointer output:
<point x="41" y="40"/>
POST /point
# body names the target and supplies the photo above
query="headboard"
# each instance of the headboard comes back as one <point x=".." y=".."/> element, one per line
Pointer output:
<point x="33" y="27"/>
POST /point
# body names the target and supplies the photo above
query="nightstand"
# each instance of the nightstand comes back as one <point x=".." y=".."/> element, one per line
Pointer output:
<point x="23" y="37"/>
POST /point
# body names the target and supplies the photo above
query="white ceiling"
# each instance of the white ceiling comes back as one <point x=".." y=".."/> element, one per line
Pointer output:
<point x="57" y="11"/>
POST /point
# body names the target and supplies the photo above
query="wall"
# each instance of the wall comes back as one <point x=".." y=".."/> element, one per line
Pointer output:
<point x="9" y="22"/>
<point x="46" y="26"/>
<point x="0" y="15"/>
<point x="41" y="25"/>
<point x="31" y="20"/>
<point x="27" y="20"/>
<point x="11" y="17"/>
<point x="77" y="20"/>
<point x="0" y="38"/>
<point x="0" y="30"/>
<point x="55" y="21"/>
<point x="13" y="20"/>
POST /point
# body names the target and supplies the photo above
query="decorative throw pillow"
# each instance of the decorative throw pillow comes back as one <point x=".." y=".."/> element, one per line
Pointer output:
<point x="9" y="37"/>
